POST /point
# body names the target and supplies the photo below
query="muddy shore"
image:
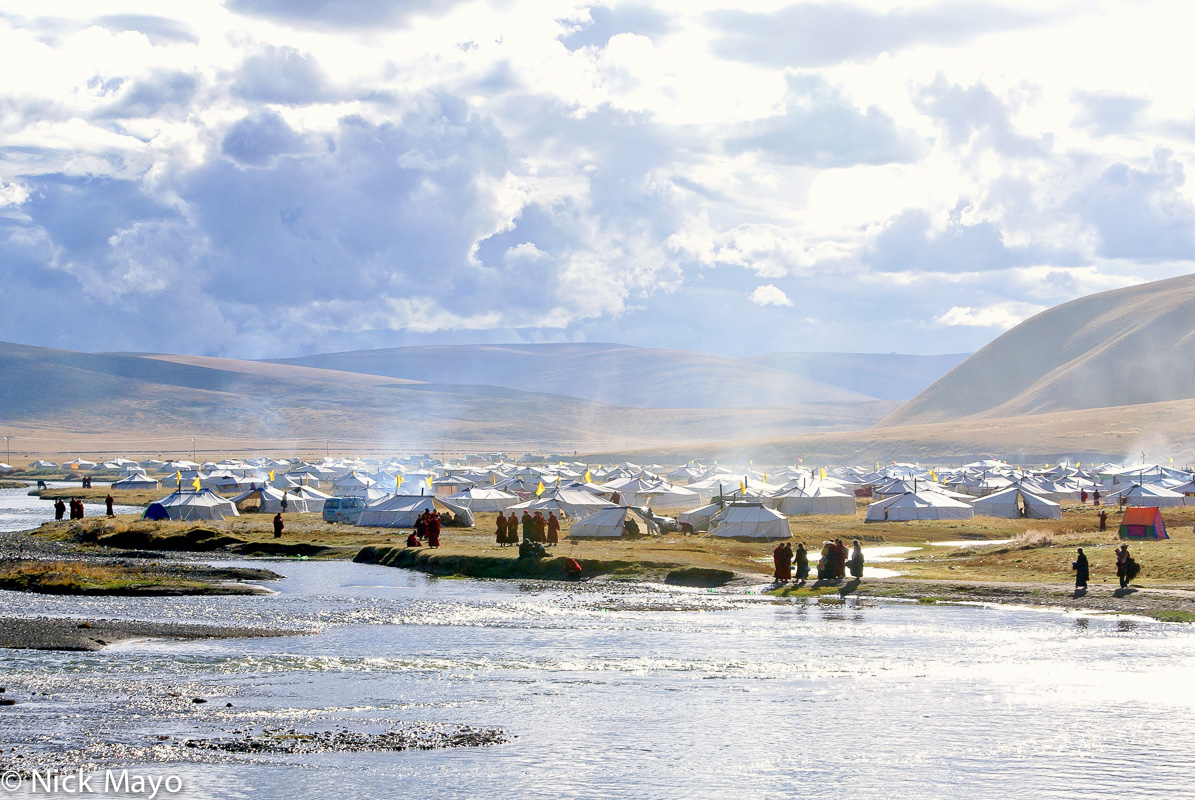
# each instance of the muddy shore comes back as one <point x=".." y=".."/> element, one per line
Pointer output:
<point x="58" y="633"/>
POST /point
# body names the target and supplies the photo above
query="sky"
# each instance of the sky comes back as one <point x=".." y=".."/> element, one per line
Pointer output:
<point x="270" y="178"/>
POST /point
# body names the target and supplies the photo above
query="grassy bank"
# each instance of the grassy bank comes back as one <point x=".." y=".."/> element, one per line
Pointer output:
<point x="81" y="578"/>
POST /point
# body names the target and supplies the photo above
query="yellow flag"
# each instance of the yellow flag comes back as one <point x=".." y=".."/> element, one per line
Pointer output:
<point x="742" y="487"/>
<point x="397" y="481"/>
<point x="1078" y="464"/>
<point x="822" y="472"/>
<point x="195" y="483"/>
<point x="557" y="480"/>
<point x="540" y="489"/>
<point x="494" y="478"/>
<point x="588" y="476"/>
<point x="271" y="476"/>
<point x="429" y="480"/>
<point x="178" y="479"/>
<point x="765" y="477"/>
<point x="932" y="476"/>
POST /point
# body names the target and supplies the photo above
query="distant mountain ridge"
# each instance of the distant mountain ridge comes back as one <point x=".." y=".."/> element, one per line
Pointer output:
<point x="1124" y="347"/>
<point x="642" y="377"/>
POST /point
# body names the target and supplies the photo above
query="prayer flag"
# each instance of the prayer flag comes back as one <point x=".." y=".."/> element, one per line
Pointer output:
<point x="588" y="476"/>
<point x="540" y="489"/>
<point x="195" y="483"/>
<point x="271" y="476"/>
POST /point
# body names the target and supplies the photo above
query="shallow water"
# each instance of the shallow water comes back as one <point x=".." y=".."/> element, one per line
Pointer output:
<point x="624" y="691"/>
<point x="19" y="511"/>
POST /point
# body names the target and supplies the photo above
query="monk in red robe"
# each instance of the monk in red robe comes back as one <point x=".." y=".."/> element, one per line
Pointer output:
<point x="782" y="560"/>
<point x="553" y="528"/>
<point x="500" y="536"/>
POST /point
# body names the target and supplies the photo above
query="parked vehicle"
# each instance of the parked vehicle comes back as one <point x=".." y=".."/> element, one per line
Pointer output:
<point x="343" y="509"/>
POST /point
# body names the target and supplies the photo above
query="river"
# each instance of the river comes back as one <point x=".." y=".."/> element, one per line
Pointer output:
<point x="621" y="691"/>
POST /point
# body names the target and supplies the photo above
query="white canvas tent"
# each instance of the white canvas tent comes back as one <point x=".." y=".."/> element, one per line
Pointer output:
<point x="1147" y="495"/>
<point x="923" y="505"/>
<point x="268" y="500"/>
<point x="1015" y="503"/>
<point x="610" y="523"/>
<point x="395" y="511"/>
<point x="819" y="500"/>
<point x="479" y="499"/>
<point x="571" y="502"/>
<point x="750" y="521"/>
<point x="699" y="518"/>
<point x="190" y="506"/>
<point x="137" y="480"/>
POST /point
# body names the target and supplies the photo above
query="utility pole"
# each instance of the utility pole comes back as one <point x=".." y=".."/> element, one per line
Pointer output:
<point x="7" y="451"/>
<point x="193" y="450"/>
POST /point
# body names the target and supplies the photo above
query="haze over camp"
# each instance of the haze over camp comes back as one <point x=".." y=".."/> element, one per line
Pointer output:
<point x="596" y="398"/>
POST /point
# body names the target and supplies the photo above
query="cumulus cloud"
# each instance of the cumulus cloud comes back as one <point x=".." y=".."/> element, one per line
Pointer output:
<point x="769" y="295"/>
<point x="159" y="30"/>
<point x="605" y="22"/>
<point x="817" y="34"/>
<point x="280" y="75"/>
<point x="998" y="315"/>
<point x="341" y="13"/>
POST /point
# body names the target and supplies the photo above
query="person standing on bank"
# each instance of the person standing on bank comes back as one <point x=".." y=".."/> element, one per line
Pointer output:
<point x="108" y="501"/>
<point x="278" y="525"/>
<point x="1122" y="565"/>
<point x="802" y="561"/>
<point x="1082" y="572"/>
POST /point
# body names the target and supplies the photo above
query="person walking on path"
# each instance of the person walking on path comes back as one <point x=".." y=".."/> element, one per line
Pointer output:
<point x="108" y="501"/>
<point x="1103" y="520"/>
<point x="1122" y="565"/>
<point x="856" y="560"/>
<point x="59" y="509"/>
<point x="782" y="560"/>
<point x="278" y="525"/>
<point x="433" y="529"/>
<point x="284" y="502"/>
<point x="802" y="561"/>
<point x="1082" y="572"/>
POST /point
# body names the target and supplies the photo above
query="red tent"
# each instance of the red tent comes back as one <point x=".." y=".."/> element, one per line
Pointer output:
<point x="1143" y="522"/>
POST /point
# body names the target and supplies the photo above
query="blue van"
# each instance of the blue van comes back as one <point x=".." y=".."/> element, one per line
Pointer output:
<point x="343" y="509"/>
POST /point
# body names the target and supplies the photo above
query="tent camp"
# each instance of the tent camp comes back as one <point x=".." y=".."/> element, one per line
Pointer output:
<point x="699" y="518"/>
<point x="749" y="521"/>
<point x="395" y="511"/>
<point x="818" y="500"/>
<point x="1143" y="522"/>
<point x="612" y="523"/>
<point x="190" y="506"/>
<point x="923" y="505"/>
<point x="136" y="481"/>
<point x="1016" y="503"/>
<point x="479" y="499"/>
<point x="1147" y="495"/>
<point x="570" y="502"/>
<point x="268" y="500"/>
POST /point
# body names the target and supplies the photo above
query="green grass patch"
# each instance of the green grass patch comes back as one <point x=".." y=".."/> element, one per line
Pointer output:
<point x="1172" y="616"/>
<point x="803" y="591"/>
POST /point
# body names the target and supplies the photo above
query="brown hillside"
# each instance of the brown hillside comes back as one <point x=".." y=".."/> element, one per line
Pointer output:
<point x="1119" y="348"/>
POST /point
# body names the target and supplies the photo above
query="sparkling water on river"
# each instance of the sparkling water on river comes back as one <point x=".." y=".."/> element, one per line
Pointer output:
<point x="623" y="691"/>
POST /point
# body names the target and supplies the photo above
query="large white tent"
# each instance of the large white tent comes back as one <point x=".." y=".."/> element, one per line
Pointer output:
<point x="699" y="518"/>
<point x="571" y="502"/>
<point x="479" y="499"/>
<point x="749" y="521"/>
<point x="190" y="506"/>
<point x="922" y="505"/>
<point x="819" y="500"/>
<point x="1147" y="495"/>
<point x="1015" y="503"/>
<point x="610" y="523"/>
<point x="268" y="500"/>
<point x="395" y="511"/>
<point x="137" y="480"/>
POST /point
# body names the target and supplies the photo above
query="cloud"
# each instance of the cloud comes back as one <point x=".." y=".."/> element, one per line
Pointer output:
<point x="159" y="30"/>
<point x="769" y="295"/>
<point x="258" y="139"/>
<point x="819" y="128"/>
<point x="166" y="94"/>
<point x="1108" y="114"/>
<point x="280" y="75"/>
<point x="605" y="22"/>
<point x="1139" y="213"/>
<point x="820" y="34"/>
<point x="976" y="116"/>
<point x="999" y="315"/>
<point x="341" y="13"/>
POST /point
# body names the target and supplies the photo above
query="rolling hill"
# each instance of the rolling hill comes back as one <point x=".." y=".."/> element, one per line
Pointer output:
<point x="121" y="399"/>
<point x="1121" y="348"/>
<point x="892" y="376"/>
<point x="637" y="377"/>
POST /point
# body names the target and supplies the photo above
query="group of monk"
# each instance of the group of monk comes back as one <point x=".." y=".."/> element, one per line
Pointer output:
<point x="535" y="528"/>
<point x="836" y="559"/>
<point x="427" y="529"/>
<point x="76" y="508"/>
